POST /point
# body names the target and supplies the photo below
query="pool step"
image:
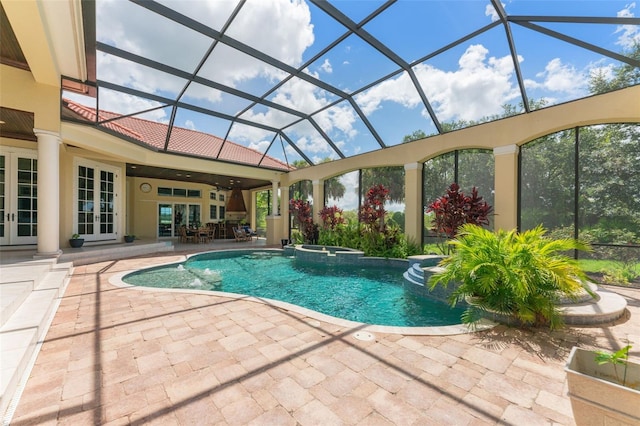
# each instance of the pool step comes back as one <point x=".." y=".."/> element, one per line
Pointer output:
<point x="605" y="308"/>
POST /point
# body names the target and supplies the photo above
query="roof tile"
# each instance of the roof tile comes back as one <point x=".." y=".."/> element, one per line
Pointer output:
<point x="182" y="141"/>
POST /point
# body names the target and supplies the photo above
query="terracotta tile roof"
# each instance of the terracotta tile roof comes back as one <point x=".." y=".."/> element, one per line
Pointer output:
<point x="183" y="141"/>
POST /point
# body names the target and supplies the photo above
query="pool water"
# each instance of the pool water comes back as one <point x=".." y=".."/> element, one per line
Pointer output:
<point x="368" y="295"/>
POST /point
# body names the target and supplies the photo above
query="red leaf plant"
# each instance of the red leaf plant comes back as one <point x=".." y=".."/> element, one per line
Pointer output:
<point x="454" y="209"/>
<point x="372" y="211"/>
<point x="302" y="216"/>
<point x="331" y="217"/>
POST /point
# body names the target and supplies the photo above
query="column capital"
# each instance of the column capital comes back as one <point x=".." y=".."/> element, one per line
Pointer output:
<point x="317" y="181"/>
<point x="41" y="132"/>
<point x="413" y="166"/>
<point x="504" y="150"/>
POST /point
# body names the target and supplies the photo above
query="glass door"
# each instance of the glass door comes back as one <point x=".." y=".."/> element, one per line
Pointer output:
<point x="180" y="218"/>
<point x="165" y="220"/>
<point x="172" y="216"/>
<point x="194" y="216"/>
<point x="18" y="198"/>
<point x="96" y="214"/>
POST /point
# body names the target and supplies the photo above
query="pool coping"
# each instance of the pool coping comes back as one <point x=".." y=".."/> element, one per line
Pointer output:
<point x="447" y="330"/>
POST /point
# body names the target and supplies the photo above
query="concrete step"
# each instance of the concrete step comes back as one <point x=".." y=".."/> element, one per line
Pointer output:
<point x="26" y="327"/>
<point x="28" y="271"/>
<point x="11" y="297"/>
<point x="18" y="347"/>
<point x="608" y="307"/>
<point x="87" y="255"/>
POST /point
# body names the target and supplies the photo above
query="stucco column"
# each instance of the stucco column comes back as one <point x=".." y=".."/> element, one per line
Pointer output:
<point x="274" y="222"/>
<point x="506" y="187"/>
<point x="318" y="199"/>
<point x="274" y="197"/>
<point x="413" y="209"/>
<point x="48" y="193"/>
<point x="284" y="210"/>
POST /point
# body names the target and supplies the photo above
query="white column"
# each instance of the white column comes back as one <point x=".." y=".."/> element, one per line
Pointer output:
<point x="48" y="193"/>
<point x="274" y="198"/>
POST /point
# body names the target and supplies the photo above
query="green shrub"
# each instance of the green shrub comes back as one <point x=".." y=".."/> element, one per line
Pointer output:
<point x="520" y="275"/>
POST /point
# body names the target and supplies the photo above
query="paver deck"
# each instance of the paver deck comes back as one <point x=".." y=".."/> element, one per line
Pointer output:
<point x="129" y="356"/>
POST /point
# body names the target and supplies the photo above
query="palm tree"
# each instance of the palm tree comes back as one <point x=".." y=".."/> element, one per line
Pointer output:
<point x="520" y="275"/>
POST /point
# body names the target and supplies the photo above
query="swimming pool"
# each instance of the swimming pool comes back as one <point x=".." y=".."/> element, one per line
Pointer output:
<point x="366" y="295"/>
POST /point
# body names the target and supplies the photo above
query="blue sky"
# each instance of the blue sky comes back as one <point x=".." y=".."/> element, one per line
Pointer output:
<point x="467" y="82"/>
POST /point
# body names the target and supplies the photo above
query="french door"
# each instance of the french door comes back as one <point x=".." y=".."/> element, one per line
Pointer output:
<point x="96" y="206"/>
<point x="18" y="197"/>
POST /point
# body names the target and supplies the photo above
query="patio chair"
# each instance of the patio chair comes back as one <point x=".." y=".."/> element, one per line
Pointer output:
<point x="185" y="236"/>
<point x="250" y="232"/>
<point x="239" y="234"/>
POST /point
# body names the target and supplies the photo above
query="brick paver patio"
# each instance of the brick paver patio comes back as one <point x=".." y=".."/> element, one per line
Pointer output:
<point x="130" y="356"/>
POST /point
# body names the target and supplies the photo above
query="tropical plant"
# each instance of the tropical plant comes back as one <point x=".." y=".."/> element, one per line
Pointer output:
<point x="332" y="217"/>
<point x="517" y="275"/>
<point x="372" y="212"/>
<point x="301" y="211"/>
<point x="619" y="357"/>
<point x="454" y="209"/>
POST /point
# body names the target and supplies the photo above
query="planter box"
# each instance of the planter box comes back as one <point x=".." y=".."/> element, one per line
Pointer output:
<point x="596" y="397"/>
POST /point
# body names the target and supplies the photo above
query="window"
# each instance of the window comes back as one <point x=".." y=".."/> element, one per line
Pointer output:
<point x="212" y="195"/>
<point x="165" y="191"/>
<point x="180" y="192"/>
<point x="221" y="197"/>
<point x="221" y="213"/>
<point x="213" y="212"/>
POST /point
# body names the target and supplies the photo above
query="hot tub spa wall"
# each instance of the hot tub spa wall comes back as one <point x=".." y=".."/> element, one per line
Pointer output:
<point x="331" y="255"/>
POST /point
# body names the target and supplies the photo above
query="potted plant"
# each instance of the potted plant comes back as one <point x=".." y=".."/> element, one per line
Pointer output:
<point x="129" y="238"/>
<point x="75" y="241"/>
<point x="604" y="387"/>
<point x="511" y="277"/>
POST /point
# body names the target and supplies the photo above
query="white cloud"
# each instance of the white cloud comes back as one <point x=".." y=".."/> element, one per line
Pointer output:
<point x="399" y="90"/>
<point x="490" y="11"/>
<point x="606" y="71"/>
<point x="479" y="87"/>
<point x="279" y="28"/>
<point x="326" y="66"/>
<point x="260" y="146"/>
<point x="629" y="34"/>
<point x="127" y="104"/>
<point x="189" y="124"/>
<point x="350" y="199"/>
<point x="561" y="79"/>
<point x="133" y="28"/>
